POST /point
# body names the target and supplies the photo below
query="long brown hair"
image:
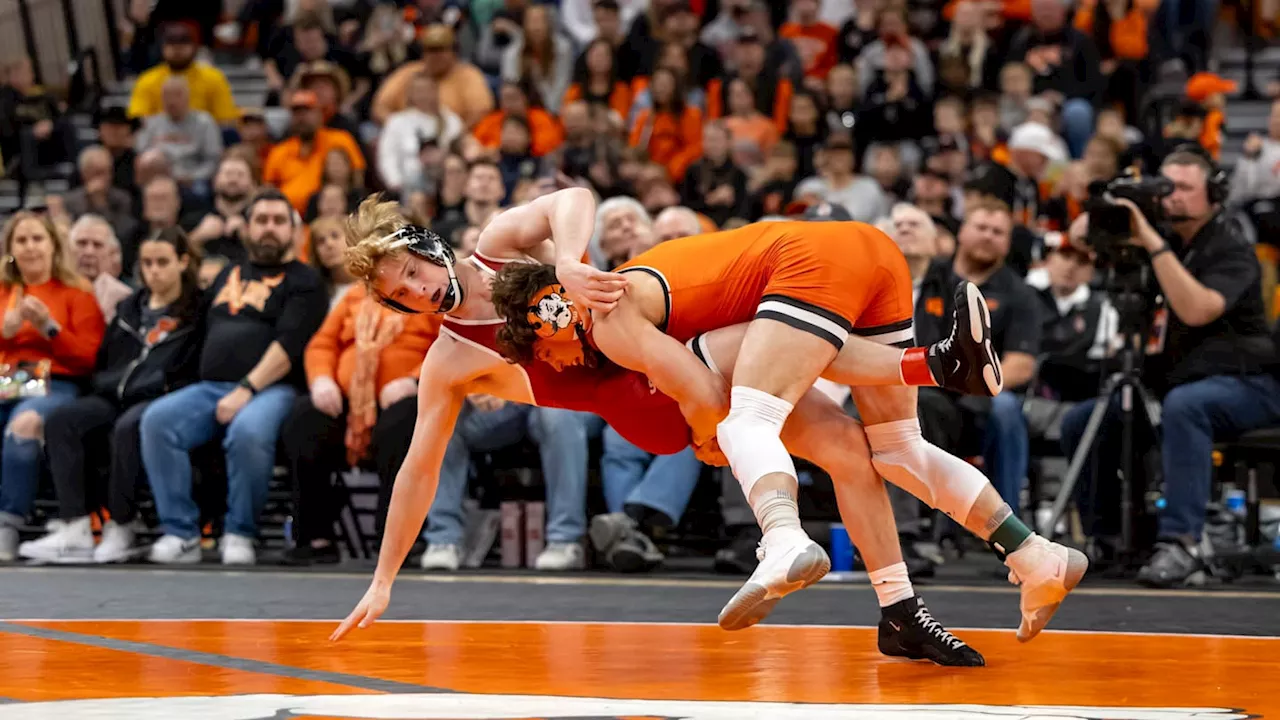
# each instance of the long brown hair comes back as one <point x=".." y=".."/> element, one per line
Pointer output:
<point x="187" y="306"/>
<point x="512" y="291"/>
<point x="60" y="267"/>
<point x="543" y="57"/>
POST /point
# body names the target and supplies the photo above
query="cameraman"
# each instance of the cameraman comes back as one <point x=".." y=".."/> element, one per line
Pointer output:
<point x="1213" y="359"/>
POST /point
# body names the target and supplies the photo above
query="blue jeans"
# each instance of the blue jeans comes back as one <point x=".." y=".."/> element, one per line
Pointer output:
<point x="1077" y="124"/>
<point x="561" y="436"/>
<point x="20" y="463"/>
<point x="184" y="420"/>
<point x="1193" y="417"/>
<point x="632" y="476"/>
<point x="1006" y="447"/>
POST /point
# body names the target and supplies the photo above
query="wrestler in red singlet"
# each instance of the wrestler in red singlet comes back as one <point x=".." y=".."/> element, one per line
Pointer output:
<point x="624" y="398"/>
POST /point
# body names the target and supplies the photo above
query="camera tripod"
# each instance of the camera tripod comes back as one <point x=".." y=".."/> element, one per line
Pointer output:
<point x="1131" y="307"/>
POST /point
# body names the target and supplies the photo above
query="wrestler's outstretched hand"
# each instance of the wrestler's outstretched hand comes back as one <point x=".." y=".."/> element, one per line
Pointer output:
<point x="710" y="453"/>
<point x="598" y="290"/>
<point x="371" y="607"/>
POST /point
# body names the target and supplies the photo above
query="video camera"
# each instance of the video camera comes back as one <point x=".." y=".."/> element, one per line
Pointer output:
<point x="1109" y="223"/>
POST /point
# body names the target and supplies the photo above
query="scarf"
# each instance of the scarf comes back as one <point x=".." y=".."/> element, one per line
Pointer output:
<point x="376" y="328"/>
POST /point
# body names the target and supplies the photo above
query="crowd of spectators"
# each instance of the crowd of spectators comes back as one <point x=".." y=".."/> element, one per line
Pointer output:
<point x="188" y="297"/>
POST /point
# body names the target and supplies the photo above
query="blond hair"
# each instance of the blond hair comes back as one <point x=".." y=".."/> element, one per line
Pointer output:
<point x="61" y="268"/>
<point x="367" y="232"/>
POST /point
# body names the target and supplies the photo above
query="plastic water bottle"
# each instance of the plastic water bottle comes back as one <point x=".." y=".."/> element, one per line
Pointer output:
<point x="1275" y="545"/>
<point x="1235" y="502"/>
<point x="288" y="533"/>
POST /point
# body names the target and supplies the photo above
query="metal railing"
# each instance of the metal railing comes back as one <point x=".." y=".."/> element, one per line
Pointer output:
<point x="56" y="34"/>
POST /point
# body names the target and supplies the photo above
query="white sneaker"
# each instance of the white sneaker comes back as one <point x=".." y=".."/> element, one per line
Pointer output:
<point x="238" y="550"/>
<point x="116" y="545"/>
<point x="441" y="557"/>
<point x="561" y="556"/>
<point x="173" y="550"/>
<point x="8" y="543"/>
<point x="71" y="543"/>
<point x="1046" y="571"/>
<point x="789" y="561"/>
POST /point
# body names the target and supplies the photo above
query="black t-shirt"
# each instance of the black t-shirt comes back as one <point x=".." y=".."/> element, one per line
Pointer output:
<point x="1072" y="366"/>
<point x="1239" y="342"/>
<point x="288" y="58"/>
<point x="252" y="306"/>
<point x="1015" y="316"/>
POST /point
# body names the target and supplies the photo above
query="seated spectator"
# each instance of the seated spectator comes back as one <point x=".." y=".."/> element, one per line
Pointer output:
<point x="488" y="424"/>
<point x="772" y="184"/>
<point x="206" y="85"/>
<point x="332" y="87"/>
<point x="916" y="235"/>
<point x="463" y="88"/>
<point x="714" y="186"/>
<point x="814" y="40"/>
<point x="744" y="121"/>
<point x="596" y="80"/>
<point x="400" y="144"/>
<point x="51" y="319"/>
<point x="885" y="166"/>
<point x="1255" y="181"/>
<point x="161" y="209"/>
<point x="328" y="243"/>
<point x="387" y="42"/>
<point x="1210" y="92"/>
<point x="968" y="59"/>
<point x="521" y="100"/>
<point x="1065" y="61"/>
<point x="671" y="131"/>
<point x="515" y="156"/>
<point x="671" y="224"/>
<point x="116" y="132"/>
<point x="896" y="107"/>
<point x="340" y="175"/>
<point x="933" y="193"/>
<point x="807" y="130"/>
<point x="771" y="91"/>
<point x="307" y="43"/>
<point x="843" y="97"/>
<point x="673" y="57"/>
<point x="99" y="195"/>
<point x="541" y="55"/>
<point x="483" y="197"/>
<point x="93" y="244"/>
<point x="893" y="30"/>
<point x="151" y="347"/>
<point x="255" y="139"/>
<point x="1119" y="30"/>
<point x="859" y="195"/>
<point x="589" y="20"/>
<point x="621" y="227"/>
<point x="221" y="231"/>
<point x="261" y="316"/>
<point x="297" y="165"/>
<point x="981" y="248"/>
<point x="362" y="368"/>
<point x="190" y="138"/>
<point x="32" y="129"/>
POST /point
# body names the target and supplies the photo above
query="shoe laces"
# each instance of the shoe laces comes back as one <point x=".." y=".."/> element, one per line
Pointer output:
<point x="935" y="629"/>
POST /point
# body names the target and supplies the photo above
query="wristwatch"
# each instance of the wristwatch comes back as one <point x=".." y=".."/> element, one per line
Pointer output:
<point x="51" y="330"/>
<point x="244" y="383"/>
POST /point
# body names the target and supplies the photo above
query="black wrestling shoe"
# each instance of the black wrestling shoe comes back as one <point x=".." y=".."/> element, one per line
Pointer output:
<point x="908" y="630"/>
<point x="964" y="361"/>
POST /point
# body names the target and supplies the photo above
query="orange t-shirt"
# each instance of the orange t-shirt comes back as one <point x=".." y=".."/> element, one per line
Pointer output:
<point x="545" y="133"/>
<point x="816" y="45"/>
<point x="757" y="128"/>
<point x="619" y="98"/>
<point x="670" y="141"/>
<point x="75" y="348"/>
<point x="332" y="350"/>
<point x="298" y="176"/>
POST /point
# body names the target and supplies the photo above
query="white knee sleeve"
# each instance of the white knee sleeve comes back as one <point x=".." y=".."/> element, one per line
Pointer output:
<point x="749" y="436"/>
<point x="941" y="480"/>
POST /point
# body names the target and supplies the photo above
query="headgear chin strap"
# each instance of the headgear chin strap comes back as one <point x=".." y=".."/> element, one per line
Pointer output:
<point x="429" y="246"/>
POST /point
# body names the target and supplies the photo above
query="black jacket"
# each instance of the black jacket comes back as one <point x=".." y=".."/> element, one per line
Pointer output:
<point x="134" y="366"/>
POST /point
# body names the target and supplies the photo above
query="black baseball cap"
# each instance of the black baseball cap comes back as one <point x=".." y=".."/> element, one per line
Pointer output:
<point x="825" y="211"/>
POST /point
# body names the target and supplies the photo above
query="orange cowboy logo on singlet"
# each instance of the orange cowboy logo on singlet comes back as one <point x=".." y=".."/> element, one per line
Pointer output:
<point x="237" y="293"/>
<point x="161" y="330"/>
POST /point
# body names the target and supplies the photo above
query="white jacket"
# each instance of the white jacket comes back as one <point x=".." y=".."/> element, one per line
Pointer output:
<point x="401" y="139"/>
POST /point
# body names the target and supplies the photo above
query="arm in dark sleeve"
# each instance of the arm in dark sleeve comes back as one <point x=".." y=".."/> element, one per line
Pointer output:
<point x="303" y="314"/>
<point x="1232" y="273"/>
<point x="1083" y="77"/>
<point x="1024" y="330"/>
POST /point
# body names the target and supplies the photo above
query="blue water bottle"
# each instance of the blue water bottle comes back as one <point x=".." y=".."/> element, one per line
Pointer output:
<point x="841" y="549"/>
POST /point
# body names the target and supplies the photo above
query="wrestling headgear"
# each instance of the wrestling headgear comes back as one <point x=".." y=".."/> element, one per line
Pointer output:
<point x="429" y="246"/>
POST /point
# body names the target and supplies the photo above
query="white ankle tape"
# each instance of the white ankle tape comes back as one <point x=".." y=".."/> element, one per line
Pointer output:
<point x="940" y="480"/>
<point x="892" y="584"/>
<point x="749" y="436"/>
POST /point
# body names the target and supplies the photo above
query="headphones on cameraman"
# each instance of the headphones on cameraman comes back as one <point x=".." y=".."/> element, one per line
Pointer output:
<point x="1217" y="182"/>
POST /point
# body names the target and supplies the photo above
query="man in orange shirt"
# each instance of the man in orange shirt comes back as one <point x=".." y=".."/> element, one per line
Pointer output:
<point x="296" y="165"/>
<point x="814" y="40"/>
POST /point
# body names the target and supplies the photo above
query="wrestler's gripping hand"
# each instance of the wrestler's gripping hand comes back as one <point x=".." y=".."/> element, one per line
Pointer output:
<point x="598" y="289"/>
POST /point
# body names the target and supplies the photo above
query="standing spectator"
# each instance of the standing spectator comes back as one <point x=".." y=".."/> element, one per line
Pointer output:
<point x="189" y="137"/>
<point x="814" y="40"/>
<point x="32" y="128"/>
<point x="400" y="145"/>
<point x="151" y="347"/>
<point x="297" y="165"/>
<point x="463" y="88"/>
<point x="362" y="368"/>
<point x="93" y="244"/>
<point x="981" y="248"/>
<point x="99" y="195"/>
<point x="50" y="317"/>
<point x="1065" y="61"/>
<point x="714" y="186"/>
<point x="540" y="55"/>
<point x="262" y="314"/>
<point x="206" y="85"/>
<point x="221" y="231"/>
<point x="893" y="30"/>
<point x="840" y="185"/>
<point x="670" y="132"/>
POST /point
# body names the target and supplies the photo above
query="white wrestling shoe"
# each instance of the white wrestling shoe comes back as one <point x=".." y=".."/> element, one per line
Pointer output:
<point x="1046" y="571"/>
<point x="789" y="561"/>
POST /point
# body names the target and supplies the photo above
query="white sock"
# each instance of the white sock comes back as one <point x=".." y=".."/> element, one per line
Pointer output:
<point x="892" y="584"/>
<point x="776" y="509"/>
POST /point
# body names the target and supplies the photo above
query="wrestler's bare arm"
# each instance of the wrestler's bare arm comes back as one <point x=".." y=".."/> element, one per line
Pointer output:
<point x="565" y="218"/>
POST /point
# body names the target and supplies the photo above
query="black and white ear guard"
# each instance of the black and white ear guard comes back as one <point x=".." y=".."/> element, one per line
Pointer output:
<point x="429" y="246"/>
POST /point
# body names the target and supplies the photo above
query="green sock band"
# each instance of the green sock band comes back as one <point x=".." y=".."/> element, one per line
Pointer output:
<point x="1010" y="535"/>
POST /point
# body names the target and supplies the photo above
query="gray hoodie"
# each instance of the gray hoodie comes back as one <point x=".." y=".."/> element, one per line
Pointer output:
<point x="193" y="144"/>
